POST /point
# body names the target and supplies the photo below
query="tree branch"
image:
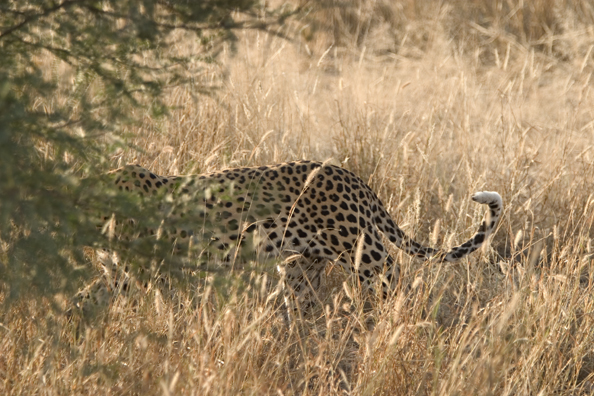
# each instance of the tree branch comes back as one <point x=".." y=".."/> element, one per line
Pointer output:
<point x="34" y="17"/>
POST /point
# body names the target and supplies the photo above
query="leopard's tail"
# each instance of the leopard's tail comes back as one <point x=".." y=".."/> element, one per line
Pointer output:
<point x="491" y="198"/>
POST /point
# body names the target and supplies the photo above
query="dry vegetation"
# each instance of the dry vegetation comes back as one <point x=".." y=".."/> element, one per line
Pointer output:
<point x="428" y="103"/>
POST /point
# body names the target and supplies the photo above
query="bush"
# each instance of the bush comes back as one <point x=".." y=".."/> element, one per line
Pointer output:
<point x="119" y="56"/>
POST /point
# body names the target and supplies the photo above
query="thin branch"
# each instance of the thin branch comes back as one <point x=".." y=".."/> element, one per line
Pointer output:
<point x="34" y="17"/>
<point x="55" y="50"/>
<point x="255" y="25"/>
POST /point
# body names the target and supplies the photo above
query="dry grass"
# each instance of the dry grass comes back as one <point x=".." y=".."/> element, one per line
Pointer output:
<point x="428" y="105"/>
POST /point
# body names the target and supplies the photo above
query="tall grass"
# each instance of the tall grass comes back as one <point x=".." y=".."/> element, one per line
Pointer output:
<point x="428" y="102"/>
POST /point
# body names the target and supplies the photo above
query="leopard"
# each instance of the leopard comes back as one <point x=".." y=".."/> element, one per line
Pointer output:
<point x="307" y="214"/>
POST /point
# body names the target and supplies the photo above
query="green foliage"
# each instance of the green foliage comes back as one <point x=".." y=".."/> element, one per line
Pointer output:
<point x="54" y="134"/>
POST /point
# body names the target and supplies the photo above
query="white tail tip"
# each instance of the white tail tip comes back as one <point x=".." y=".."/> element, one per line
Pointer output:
<point x="488" y="198"/>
